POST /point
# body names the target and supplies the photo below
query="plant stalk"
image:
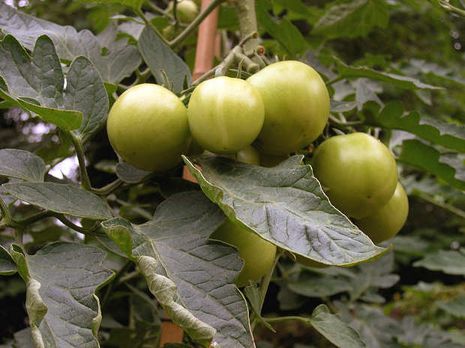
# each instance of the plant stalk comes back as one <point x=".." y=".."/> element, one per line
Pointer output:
<point x="85" y="180"/>
<point x="195" y="23"/>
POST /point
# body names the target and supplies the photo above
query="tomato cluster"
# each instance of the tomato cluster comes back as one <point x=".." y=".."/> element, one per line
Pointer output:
<point x="261" y="120"/>
<point x="359" y="175"/>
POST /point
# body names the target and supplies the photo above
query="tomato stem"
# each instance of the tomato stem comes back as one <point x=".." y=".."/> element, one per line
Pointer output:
<point x="77" y="142"/>
<point x="195" y="23"/>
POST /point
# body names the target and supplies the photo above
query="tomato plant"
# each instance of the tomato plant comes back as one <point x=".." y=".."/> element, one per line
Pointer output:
<point x="147" y="126"/>
<point x="296" y="106"/>
<point x="148" y="146"/>
<point x="225" y="114"/>
<point x="357" y="171"/>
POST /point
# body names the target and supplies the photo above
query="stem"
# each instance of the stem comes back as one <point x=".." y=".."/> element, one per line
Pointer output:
<point x="264" y="288"/>
<point x="107" y="189"/>
<point x="248" y="24"/>
<point x="448" y="7"/>
<point x="75" y="227"/>
<point x="195" y="23"/>
<point x="288" y="318"/>
<point x="150" y="24"/>
<point x="6" y="215"/>
<point x="85" y="181"/>
<point x="444" y="206"/>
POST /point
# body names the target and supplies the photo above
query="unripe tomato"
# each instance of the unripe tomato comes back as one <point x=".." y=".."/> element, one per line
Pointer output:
<point x="225" y="114"/>
<point x="186" y="10"/>
<point x="296" y="106"/>
<point x="147" y="126"/>
<point x="357" y="172"/>
<point x="387" y="221"/>
<point x="248" y="155"/>
<point x="257" y="253"/>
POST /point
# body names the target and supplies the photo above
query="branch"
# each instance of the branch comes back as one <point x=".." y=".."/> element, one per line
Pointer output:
<point x="448" y="7"/>
<point x="248" y="25"/>
<point x="85" y="181"/>
<point x="150" y="24"/>
<point x="195" y="23"/>
<point x="107" y="189"/>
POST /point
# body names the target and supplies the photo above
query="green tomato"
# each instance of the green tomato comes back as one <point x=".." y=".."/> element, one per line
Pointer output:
<point x="186" y="10"/>
<point x="225" y="114"/>
<point x="257" y="253"/>
<point x="248" y="155"/>
<point x="357" y="172"/>
<point x="387" y="221"/>
<point x="296" y="106"/>
<point x="147" y="126"/>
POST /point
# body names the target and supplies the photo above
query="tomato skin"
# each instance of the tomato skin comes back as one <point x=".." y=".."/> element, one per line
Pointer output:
<point x="225" y="114"/>
<point x="257" y="253"/>
<point x="357" y="172"/>
<point x="387" y="221"/>
<point x="248" y="155"/>
<point x="296" y="106"/>
<point x="147" y="126"/>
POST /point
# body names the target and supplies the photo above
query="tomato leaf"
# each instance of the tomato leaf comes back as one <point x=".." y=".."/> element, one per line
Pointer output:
<point x="37" y="84"/>
<point x="284" y="205"/>
<point x="22" y="165"/>
<point x="447" y="261"/>
<point x="455" y="306"/>
<point x="400" y="81"/>
<point x="132" y="4"/>
<point x="360" y="281"/>
<point x="286" y="33"/>
<point x="114" y="59"/>
<point x="434" y="130"/>
<point x="7" y="266"/>
<point x="61" y="198"/>
<point x="163" y="62"/>
<point x="334" y="329"/>
<point x="62" y="279"/>
<point x="190" y="278"/>
<point x="352" y="18"/>
<point x="448" y="167"/>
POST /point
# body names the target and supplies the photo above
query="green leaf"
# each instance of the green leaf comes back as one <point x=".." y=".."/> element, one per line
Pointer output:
<point x="282" y="30"/>
<point x="163" y="62"/>
<point x="190" y="278"/>
<point x="7" y="266"/>
<point x="375" y="328"/>
<point x="61" y="198"/>
<point x="446" y="261"/>
<point x="427" y="158"/>
<point x="130" y="174"/>
<point x="434" y="130"/>
<point x="114" y="59"/>
<point x="284" y="205"/>
<point x="62" y="279"/>
<point x="36" y="84"/>
<point x="352" y="18"/>
<point x="400" y="81"/>
<point x="455" y="306"/>
<point x="360" y="281"/>
<point x="86" y="93"/>
<point x="334" y="329"/>
<point x="132" y="4"/>
<point x="22" y="165"/>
